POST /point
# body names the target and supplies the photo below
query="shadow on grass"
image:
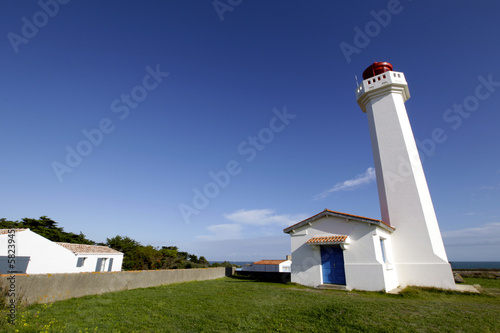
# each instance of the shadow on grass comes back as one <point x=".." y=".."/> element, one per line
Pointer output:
<point x="241" y="278"/>
<point x="274" y="277"/>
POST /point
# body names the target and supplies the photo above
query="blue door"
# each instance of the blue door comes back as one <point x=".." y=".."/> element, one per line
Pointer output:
<point x="332" y="263"/>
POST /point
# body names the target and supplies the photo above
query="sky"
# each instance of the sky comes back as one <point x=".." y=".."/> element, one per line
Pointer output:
<point x="213" y="125"/>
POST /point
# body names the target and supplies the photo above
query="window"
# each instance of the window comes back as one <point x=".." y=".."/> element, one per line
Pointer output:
<point x="110" y="267"/>
<point x="80" y="262"/>
<point x="382" y="247"/>
<point x="101" y="264"/>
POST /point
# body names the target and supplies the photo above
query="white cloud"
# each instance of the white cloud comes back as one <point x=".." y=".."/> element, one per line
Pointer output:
<point x="365" y="178"/>
<point x="487" y="231"/>
<point x="474" y="244"/>
<point x="263" y="217"/>
<point x="223" y="231"/>
<point x="249" y="249"/>
<point x="251" y="223"/>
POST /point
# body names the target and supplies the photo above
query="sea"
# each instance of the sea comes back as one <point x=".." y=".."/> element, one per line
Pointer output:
<point x="239" y="263"/>
<point x="475" y="264"/>
<point x="454" y="264"/>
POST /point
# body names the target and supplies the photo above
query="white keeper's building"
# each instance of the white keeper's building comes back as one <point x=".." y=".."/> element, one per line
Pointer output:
<point x="405" y="247"/>
<point x="35" y="254"/>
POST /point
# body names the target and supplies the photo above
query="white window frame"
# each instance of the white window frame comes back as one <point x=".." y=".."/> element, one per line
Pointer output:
<point x="103" y="264"/>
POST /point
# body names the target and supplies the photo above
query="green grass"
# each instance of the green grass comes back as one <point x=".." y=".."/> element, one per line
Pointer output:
<point x="237" y="305"/>
<point x="485" y="283"/>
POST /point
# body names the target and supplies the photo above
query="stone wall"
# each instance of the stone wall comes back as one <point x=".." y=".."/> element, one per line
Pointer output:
<point x="45" y="288"/>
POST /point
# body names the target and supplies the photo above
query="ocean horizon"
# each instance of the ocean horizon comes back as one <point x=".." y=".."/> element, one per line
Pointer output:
<point x="475" y="264"/>
<point x="454" y="264"/>
<point x="240" y="263"/>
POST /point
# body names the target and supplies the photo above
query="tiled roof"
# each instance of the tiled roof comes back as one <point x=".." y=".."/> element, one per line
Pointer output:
<point x="328" y="212"/>
<point x="75" y="248"/>
<point x="268" y="262"/>
<point x="6" y="231"/>
<point x="88" y="249"/>
<point x="336" y="239"/>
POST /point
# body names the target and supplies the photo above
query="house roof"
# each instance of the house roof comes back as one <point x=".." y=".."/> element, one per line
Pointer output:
<point x="6" y="231"/>
<point x="328" y="212"/>
<point x="75" y="248"/>
<point x="268" y="262"/>
<point x="88" y="249"/>
<point x="323" y="240"/>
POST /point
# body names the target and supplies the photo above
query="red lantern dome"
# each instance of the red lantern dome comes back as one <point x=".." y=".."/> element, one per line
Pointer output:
<point x="376" y="68"/>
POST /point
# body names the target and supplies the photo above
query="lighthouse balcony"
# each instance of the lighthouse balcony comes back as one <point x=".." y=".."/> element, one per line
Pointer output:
<point x="380" y="80"/>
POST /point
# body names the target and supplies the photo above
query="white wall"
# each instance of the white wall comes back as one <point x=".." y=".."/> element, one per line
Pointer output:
<point x="286" y="266"/>
<point x="46" y="256"/>
<point x="364" y="266"/>
<point x="306" y="264"/>
<point x="388" y="267"/>
<point x="90" y="262"/>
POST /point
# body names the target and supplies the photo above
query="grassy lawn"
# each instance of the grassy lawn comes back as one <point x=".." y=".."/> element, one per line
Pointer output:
<point x="235" y="305"/>
<point x="485" y="283"/>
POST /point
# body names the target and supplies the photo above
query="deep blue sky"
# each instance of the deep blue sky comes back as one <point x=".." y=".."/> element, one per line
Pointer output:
<point x="225" y="78"/>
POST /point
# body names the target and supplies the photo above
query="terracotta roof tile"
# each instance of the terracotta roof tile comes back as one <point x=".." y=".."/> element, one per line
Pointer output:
<point x="6" y="231"/>
<point x="337" y="239"/>
<point x="268" y="262"/>
<point x="88" y="249"/>
<point x="338" y="214"/>
<point x="75" y="248"/>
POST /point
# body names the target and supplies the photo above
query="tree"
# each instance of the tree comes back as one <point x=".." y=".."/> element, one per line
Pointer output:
<point x="129" y="248"/>
<point x="122" y="244"/>
<point x="182" y="255"/>
<point x="135" y="255"/>
<point x="224" y="264"/>
<point x="203" y="261"/>
<point x="47" y="228"/>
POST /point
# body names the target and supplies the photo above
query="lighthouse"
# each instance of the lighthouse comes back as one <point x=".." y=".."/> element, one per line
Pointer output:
<point x="405" y="202"/>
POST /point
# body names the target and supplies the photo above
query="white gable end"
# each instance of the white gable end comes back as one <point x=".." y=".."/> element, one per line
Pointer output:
<point x="38" y="255"/>
<point x="360" y="244"/>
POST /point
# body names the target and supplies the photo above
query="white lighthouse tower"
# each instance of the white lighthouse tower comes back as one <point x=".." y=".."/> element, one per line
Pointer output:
<point x="405" y="202"/>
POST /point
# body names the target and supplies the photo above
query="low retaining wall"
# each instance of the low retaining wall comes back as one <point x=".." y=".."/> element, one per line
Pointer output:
<point x="45" y="288"/>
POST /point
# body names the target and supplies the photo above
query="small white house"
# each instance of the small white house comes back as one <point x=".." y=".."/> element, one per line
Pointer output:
<point x="270" y="266"/>
<point x="343" y="249"/>
<point x="35" y="254"/>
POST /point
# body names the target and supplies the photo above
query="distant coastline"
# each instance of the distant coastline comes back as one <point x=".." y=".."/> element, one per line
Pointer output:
<point x="454" y="264"/>
<point x="239" y="263"/>
<point x="475" y="264"/>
